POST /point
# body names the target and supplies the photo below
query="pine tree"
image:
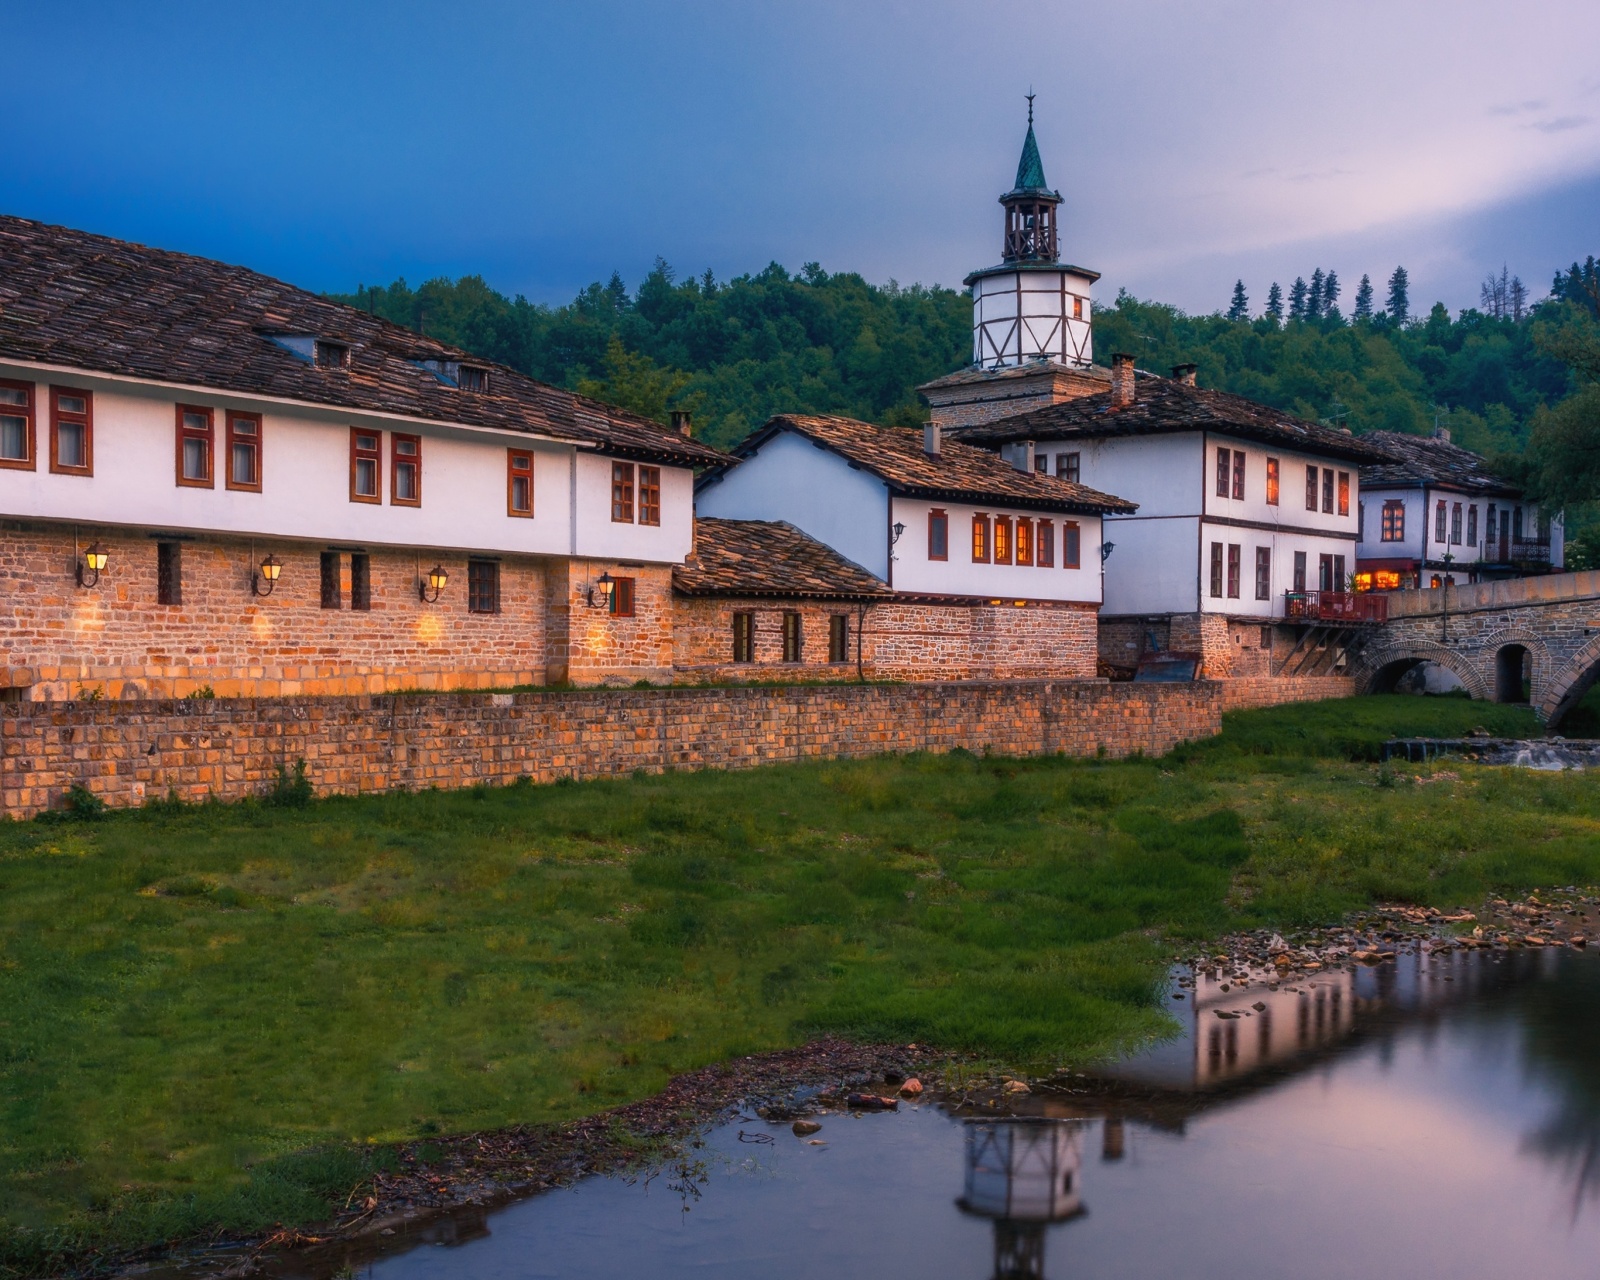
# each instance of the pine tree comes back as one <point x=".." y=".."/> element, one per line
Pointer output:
<point x="1297" y="299"/>
<point x="1275" y="301"/>
<point x="1330" y="292"/>
<point x="1399" y="304"/>
<point x="1518" y="299"/>
<point x="1314" y="296"/>
<point x="1239" y="308"/>
<point x="1364" y="298"/>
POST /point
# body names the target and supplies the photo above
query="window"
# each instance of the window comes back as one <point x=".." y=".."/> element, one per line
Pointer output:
<point x="16" y="424"/>
<point x="1071" y="544"/>
<point x="938" y="535"/>
<point x="1325" y="573"/>
<point x="1438" y="521"/>
<point x="1516" y="523"/>
<point x="1002" y="539"/>
<point x="1327" y="490"/>
<point x="244" y="452"/>
<point x="71" y="431"/>
<point x="1472" y="525"/>
<point x="1272" y="482"/>
<point x="1311" y="488"/>
<point x="169" y="573"/>
<point x="1299" y="570"/>
<point x="1024" y="540"/>
<point x="1361" y="522"/>
<point x="361" y="581"/>
<point x="483" y="586"/>
<point x="744" y="649"/>
<point x="622" y="596"/>
<point x="650" y="495"/>
<point x="1224" y="470"/>
<point x="1489" y="533"/>
<point x="622" y="492"/>
<point x="1266" y="635"/>
<point x="519" y="483"/>
<point x="1238" y="473"/>
<point x="1394" y="521"/>
<point x="1077" y="308"/>
<point x="405" y="470"/>
<point x="1455" y="524"/>
<point x="1044" y="544"/>
<point x="1067" y="466"/>
<point x="194" y="447"/>
<point x="1216" y="570"/>
<point x="1344" y="493"/>
<point x="330" y="355"/>
<point x="838" y="638"/>
<point x="473" y="377"/>
<point x="1235" y="569"/>
<point x="1041" y="463"/>
<point x="332" y="594"/>
<point x="1264" y="575"/>
<point x="1341" y="580"/>
<point x="792" y="637"/>
<point x="980" y="539"/>
<point x="366" y="463"/>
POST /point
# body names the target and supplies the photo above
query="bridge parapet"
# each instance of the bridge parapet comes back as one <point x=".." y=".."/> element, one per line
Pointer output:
<point x="1509" y="593"/>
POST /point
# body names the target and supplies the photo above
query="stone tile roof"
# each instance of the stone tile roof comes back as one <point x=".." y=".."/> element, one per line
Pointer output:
<point x="769" y="558"/>
<point x="1162" y="406"/>
<point x="977" y="375"/>
<point x="1418" y="460"/>
<point x="107" y="306"/>
<point x="960" y="473"/>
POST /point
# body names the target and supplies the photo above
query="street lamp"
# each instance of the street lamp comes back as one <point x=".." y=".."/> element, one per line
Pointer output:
<point x="271" y="567"/>
<point x="436" y="581"/>
<point x="94" y="560"/>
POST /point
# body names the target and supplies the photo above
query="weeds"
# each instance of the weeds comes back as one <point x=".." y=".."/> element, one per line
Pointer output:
<point x="291" y="789"/>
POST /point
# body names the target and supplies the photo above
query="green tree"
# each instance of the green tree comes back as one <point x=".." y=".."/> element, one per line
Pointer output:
<point x="1297" y="299"/>
<point x="1275" y="301"/>
<point x="1363" y="311"/>
<point x="1330" y="293"/>
<point x="1239" y="308"/>
<point x="1398" y="306"/>
<point x="634" y="381"/>
<point x="1314" y="296"/>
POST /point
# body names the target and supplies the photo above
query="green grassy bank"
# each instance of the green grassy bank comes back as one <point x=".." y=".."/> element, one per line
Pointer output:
<point x="206" y="1014"/>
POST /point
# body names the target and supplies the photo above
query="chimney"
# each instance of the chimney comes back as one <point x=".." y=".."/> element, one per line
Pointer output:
<point x="932" y="439"/>
<point x="1442" y="433"/>
<point x="682" y="421"/>
<point x="1022" y="456"/>
<point x="1184" y="373"/>
<point x="1121" y="380"/>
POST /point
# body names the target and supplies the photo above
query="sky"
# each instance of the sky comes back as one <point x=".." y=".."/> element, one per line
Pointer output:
<point x="544" y="146"/>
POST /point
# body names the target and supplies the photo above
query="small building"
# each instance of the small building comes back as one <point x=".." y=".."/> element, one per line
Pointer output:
<point x="1433" y="512"/>
<point x="992" y="570"/>
<point x="211" y="481"/>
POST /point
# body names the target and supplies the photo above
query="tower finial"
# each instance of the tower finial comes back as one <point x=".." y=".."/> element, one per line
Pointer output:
<point x="1030" y="106"/>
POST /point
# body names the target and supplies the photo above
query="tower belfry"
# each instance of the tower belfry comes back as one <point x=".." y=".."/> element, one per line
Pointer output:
<point x="1030" y="207"/>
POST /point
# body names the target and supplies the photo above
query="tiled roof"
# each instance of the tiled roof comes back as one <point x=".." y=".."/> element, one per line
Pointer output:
<point x="769" y="558"/>
<point x="1162" y="406"/>
<point x="106" y="306"/>
<point x="1419" y="460"/>
<point x="960" y="473"/>
<point x="974" y="375"/>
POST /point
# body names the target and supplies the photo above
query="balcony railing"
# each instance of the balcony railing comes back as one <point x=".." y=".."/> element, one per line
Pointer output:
<point x="1530" y="550"/>
<point x="1356" y="608"/>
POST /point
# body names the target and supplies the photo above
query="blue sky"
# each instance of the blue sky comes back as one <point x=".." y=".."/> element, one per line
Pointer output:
<point x="544" y="145"/>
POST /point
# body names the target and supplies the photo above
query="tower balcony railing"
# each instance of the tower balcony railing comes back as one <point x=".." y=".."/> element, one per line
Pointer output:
<point x="1355" y="608"/>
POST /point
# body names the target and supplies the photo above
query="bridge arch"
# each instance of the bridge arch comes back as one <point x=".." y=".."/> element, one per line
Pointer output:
<point x="1565" y="687"/>
<point x="1380" y="668"/>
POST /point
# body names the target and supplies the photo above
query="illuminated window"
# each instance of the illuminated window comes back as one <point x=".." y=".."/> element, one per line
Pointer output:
<point x="1344" y="493"/>
<point x="1272" y="482"/>
<point x="1394" y="521"/>
<point x="1002" y="539"/>
<point x="1024" y="540"/>
<point x="980" y="539"/>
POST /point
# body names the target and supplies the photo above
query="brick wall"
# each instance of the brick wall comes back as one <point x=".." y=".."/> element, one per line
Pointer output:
<point x="129" y="752"/>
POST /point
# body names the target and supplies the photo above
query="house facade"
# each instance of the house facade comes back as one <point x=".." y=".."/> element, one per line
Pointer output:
<point x="1433" y="512"/>
<point x="213" y="481"/>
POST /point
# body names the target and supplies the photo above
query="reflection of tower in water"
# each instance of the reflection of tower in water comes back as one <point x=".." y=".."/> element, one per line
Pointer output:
<point x="1022" y="1175"/>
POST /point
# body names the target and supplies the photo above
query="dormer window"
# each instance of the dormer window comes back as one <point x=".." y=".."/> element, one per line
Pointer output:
<point x="473" y="377"/>
<point x="464" y="377"/>
<point x="330" y="355"/>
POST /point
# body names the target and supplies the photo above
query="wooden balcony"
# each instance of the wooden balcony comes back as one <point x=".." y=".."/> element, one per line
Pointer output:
<point x="1349" y="607"/>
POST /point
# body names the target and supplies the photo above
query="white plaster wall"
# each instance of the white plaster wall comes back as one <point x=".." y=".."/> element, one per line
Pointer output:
<point x="1048" y="328"/>
<point x="1160" y="473"/>
<point x="1291" y="508"/>
<point x="1283" y="546"/>
<point x="1152" y="566"/>
<point x="1372" y="546"/>
<point x="812" y="488"/>
<point x="306" y="481"/>
<point x="958" y="575"/>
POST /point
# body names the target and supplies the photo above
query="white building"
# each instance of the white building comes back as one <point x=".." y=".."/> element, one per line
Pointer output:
<point x="1433" y="512"/>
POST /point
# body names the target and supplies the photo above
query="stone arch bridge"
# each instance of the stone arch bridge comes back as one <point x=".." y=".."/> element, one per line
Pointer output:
<point x="1523" y="639"/>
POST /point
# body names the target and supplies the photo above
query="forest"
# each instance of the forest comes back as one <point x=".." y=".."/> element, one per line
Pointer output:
<point x="1516" y="379"/>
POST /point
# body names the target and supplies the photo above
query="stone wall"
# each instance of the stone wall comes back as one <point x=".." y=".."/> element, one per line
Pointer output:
<point x="127" y="753"/>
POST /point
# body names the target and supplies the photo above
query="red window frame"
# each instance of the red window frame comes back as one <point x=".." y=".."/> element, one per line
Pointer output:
<point x="1069" y="466"/>
<point x="1044" y="550"/>
<point x="1071" y="545"/>
<point x="1344" y="493"/>
<point x="59" y="418"/>
<point x="1455" y="524"/>
<point x="980" y="539"/>
<point x="1216" y="571"/>
<point x="519" y="466"/>
<point x="1327" y="491"/>
<point x="622" y="597"/>
<point x="1311" y="488"/>
<point x="1394" y="521"/>
<point x="1272" y="482"/>
<point x="1002" y="539"/>
<point x="1224" y="470"/>
<point x="235" y="438"/>
<point x="622" y="493"/>
<point x="650" y="495"/>
<point x="400" y="461"/>
<point x="206" y="436"/>
<point x="360" y="454"/>
<point x="1238" y="474"/>
<point x="25" y="412"/>
<point x="1439" y="518"/>
<point x="1025" y="541"/>
<point x="1264" y="576"/>
<point x="1235" y="569"/>
<point x="938" y="534"/>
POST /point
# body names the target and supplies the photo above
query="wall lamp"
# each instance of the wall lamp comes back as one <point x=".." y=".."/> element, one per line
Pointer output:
<point x="1106" y="548"/>
<point x="266" y="578"/>
<point x="94" y="560"/>
<point x="428" y="590"/>
<point x="605" y="585"/>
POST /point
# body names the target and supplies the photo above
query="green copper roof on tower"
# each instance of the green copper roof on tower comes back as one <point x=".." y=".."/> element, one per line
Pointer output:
<point x="1030" y="169"/>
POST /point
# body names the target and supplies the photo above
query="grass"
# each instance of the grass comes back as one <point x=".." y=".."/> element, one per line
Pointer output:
<point x="213" y="1017"/>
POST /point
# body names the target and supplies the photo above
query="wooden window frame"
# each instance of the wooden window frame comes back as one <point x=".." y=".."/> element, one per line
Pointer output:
<point x="1002" y="540"/>
<point x="25" y="411"/>
<point x="1263" y="573"/>
<point x="1441" y="517"/>
<point x="838" y="637"/>
<point x="328" y="579"/>
<point x="794" y="637"/>
<point x="1238" y="475"/>
<point x="473" y="378"/>
<point x="1344" y="493"/>
<point x="360" y="582"/>
<point x="1299" y="579"/>
<point x="1327" y="491"/>
<point x="375" y="456"/>
<point x="744" y="636"/>
<point x="1393" y="529"/>
<point x="1224" y="471"/>
<point x="478" y="569"/>
<point x="622" y="493"/>
<point x="1457" y="513"/>
<point x="85" y="420"/>
<point x="519" y="466"/>
<point x="1472" y="525"/>
<point x="1216" y="571"/>
<point x="397" y="460"/>
<point x="1235" y="570"/>
<point x="1023" y="554"/>
<point x="624" y="597"/>
<point x="938" y="534"/>
<point x="648" y="496"/>
<point x="169" y="573"/>
<point x="1044" y="544"/>
<point x="1311" y="488"/>
<point x="1272" y="482"/>
<point x="981" y="548"/>
<point x="1071" y="545"/>
<point x="232" y="437"/>
<point x="207" y="436"/>
<point x="329" y="353"/>
<point x="1077" y="307"/>
<point x="1325" y="572"/>
<point x="1069" y="466"/>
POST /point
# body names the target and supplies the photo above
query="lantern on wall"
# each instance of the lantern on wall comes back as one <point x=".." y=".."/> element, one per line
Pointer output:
<point x="266" y="578"/>
<point x="435" y="582"/>
<point x="94" y="560"/>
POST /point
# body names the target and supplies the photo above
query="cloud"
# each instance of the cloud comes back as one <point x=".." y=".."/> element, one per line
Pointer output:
<point x="1561" y="124"/>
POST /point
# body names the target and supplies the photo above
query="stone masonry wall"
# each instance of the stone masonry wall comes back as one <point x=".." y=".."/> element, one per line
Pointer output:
<point x="130" y="752"/>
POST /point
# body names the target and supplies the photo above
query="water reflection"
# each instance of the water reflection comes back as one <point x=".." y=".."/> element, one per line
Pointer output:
<point x="1023" y="1176"/>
